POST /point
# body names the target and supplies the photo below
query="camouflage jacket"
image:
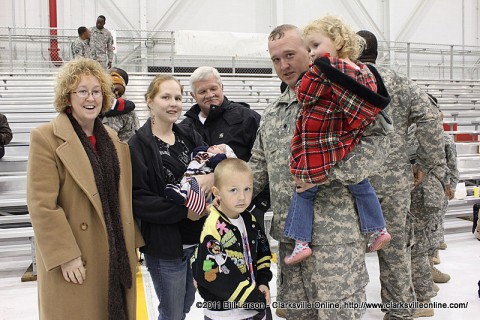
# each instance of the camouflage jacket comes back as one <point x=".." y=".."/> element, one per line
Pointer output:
<point x="125" y="124"/>
<point x="335" y="219"/>
<point x="101" y="44"/>
<point x="409" y="105"/>
<point x="122" y="118"/>
<point x="80" y="48"/>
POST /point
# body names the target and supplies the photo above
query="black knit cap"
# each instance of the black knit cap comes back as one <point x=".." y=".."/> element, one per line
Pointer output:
<point x="121" y="72"/>
<point x="370" y="52"/>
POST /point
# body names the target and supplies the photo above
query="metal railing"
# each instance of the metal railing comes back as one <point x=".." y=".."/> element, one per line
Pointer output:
<point x="26" y="50"/>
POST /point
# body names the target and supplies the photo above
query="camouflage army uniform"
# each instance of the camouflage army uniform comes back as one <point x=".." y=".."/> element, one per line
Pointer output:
<point x="80" y="48"/>
<point x="125" y="124"/>
<point x="393" y="183"/>
<point x="427" y="203"/>
<point x="451" y="179"/>
<point x="101" y="45"/>
<point x="336" y="271"/>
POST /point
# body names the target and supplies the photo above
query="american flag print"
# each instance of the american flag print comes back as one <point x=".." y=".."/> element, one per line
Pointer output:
<point x="195" y="197"/>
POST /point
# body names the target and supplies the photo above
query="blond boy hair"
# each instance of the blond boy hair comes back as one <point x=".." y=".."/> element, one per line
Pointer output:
<point x="229" y="167"/>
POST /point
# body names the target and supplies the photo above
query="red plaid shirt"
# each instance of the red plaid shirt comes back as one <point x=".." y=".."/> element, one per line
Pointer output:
<point x="331" y="122"/>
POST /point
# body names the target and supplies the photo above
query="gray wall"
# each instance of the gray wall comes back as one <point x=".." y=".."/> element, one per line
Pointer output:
<point x="427" y="21"/>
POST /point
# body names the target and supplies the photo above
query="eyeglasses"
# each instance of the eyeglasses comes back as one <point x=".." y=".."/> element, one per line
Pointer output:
<point x="85" y="93"/>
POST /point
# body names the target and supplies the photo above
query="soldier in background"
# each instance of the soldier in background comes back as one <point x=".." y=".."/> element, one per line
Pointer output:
<point x="427" y="202"/>
<point x="393" y="182"/>
<point x="336" y="272"/>
<point x="101" y="43"/>
<point x="451" y="180"/>
<point x="81" y="45"/>
<point x="121" y="117"/>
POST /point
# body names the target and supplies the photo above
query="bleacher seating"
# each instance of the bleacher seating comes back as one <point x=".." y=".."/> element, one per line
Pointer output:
<point x="27" y="101"/>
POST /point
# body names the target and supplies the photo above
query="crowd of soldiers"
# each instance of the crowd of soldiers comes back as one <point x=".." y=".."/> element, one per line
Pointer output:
<point x="95" y="43"/>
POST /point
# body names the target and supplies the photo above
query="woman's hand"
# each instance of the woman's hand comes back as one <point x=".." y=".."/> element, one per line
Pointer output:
<point x="74" y="271"/>
<point x="205" y="181"/>
<point x="192" y="215"/>
<point x="301" y="185"/>
<point x="266" y="292"/>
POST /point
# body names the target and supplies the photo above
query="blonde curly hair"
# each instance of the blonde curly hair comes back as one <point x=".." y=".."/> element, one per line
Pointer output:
<point x="351" y="44"/>
<point x="70" y="76"/>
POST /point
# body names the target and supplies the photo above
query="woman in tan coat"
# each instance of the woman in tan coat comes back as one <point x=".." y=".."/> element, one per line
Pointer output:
<point x="79" y="198"/>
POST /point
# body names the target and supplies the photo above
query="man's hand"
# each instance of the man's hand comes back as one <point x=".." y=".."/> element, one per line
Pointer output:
<point x="74" y="271"/>
<point x="301" y="186"/>
<point x="418" y="175"/>
<point x="449" y="192"/>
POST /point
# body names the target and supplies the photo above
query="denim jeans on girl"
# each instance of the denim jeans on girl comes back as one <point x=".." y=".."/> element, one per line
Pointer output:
<point x="299" y="221"/>
<point x="173" y="283"/>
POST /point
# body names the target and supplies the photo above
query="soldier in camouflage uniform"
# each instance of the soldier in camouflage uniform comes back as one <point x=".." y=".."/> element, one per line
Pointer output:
<point x="427" y="202"/>
<point x="451" y="180"/>
<point x="81" y="45"/>
<point x="336" y="271"/>
<point x="122" y="117"/>
<point x="101" y="43"/>
<point x="393" y="182"/>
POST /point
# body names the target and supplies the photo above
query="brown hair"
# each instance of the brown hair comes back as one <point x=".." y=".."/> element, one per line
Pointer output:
<point x="154" y="86"/>
<point x="70" y="76"/>
<point x="279" y="32"/>
<point x="228" y="168"/>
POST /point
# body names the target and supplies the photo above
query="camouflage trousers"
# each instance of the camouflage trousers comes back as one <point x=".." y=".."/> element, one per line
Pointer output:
<point x="421" y="268"/>
<point x="437" y="229"/>
<point x="103" y="60"/>
<point x="426" y="226"/>
<point x="333" y="275"/>
<point x="395" y="260"/>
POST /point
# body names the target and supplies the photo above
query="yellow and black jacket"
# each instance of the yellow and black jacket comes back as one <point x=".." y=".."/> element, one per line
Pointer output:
<point x="219" y="266"/>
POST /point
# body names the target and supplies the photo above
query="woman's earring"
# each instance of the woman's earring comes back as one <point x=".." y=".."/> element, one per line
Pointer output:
<point x="153" y="119"/>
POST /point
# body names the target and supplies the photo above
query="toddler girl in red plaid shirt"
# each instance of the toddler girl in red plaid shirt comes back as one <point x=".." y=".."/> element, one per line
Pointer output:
<point x="339" y="99"/>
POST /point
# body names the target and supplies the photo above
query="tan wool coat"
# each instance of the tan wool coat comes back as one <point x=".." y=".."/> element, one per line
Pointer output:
<point x="68" y="222"/>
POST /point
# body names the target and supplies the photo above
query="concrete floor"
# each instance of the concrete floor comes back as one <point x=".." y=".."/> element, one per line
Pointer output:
<point x="18" y="301"/>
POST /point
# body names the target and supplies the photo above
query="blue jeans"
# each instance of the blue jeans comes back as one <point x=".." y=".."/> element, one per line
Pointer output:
<point x="368" y="207"/>
<point x="299" y="223"/>
<point x="173" y="283"/>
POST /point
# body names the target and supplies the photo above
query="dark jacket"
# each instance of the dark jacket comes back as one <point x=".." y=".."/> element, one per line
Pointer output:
<point x="218" y="265"/>
<point x="164" y="225"/>
<point x="5" y="134"/>
<point x="232" y="123"/>
<point x="5" y="131"/>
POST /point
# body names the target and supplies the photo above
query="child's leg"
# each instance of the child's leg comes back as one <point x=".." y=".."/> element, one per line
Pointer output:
<point x="299" y="222"/>
<point x="370" y="214"/>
